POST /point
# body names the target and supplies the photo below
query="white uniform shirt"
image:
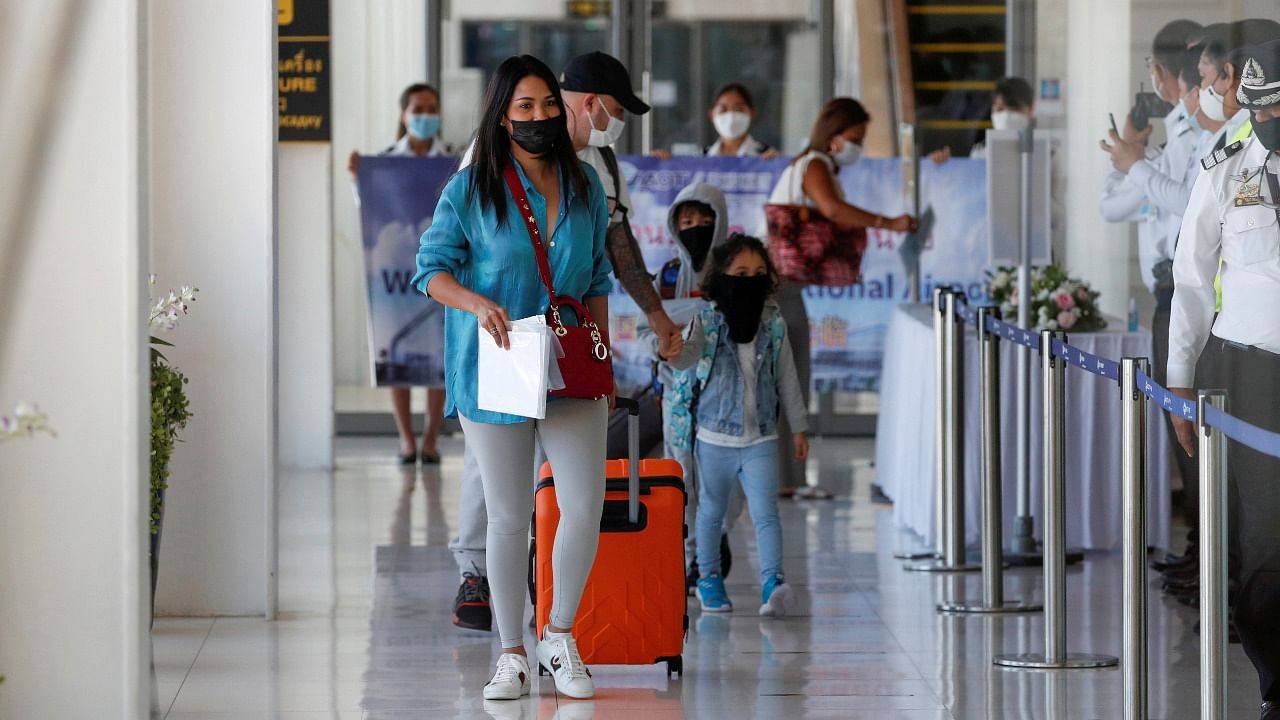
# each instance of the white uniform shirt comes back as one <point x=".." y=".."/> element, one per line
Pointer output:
<point x="403" y="149"/>
<point x="750" y="147"/>
<point x="1247" y="240"/>
<point x="1165" y="182"/>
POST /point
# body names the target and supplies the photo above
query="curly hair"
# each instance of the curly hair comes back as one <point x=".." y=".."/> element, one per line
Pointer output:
<point x="722" y="257"/>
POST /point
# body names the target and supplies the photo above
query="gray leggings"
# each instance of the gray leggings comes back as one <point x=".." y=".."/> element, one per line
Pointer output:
<point x="573" y="438"/>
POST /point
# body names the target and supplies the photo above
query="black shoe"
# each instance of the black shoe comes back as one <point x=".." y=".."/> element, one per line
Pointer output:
<point x="1175" y="586"/>
<point x="1188" y="574"/>
<point x="1270" y="711"/>
<point x="430" y="458"/>
<point x="726" y="556"/>
<point x="1170" y="562"/>
<point x="691" y="579"/>
<point x="409" y="459"/>
<point x="471" y="608"/>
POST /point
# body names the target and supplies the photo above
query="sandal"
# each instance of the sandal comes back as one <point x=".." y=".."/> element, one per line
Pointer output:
<point x="409" y="459"/>
<point x="430" y="458"/>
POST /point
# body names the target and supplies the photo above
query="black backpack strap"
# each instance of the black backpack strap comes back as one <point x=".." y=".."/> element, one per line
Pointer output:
<point x="611" y="163"/>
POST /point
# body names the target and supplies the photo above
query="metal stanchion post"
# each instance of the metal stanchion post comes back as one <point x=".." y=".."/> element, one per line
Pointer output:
<point x="939" y="430"/>
<point x="951" y="485"/>
<point x="993" y="601"/>
<point x="1055" y="656"/>
<point x="1213" y="561"/>
<point x="1134" y="491"/>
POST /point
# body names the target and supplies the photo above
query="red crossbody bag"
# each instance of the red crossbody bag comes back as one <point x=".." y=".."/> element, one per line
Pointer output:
<point x="587" y="366"/>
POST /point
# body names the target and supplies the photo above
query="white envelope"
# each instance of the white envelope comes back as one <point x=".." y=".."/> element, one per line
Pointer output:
<point x="515" y="381"/>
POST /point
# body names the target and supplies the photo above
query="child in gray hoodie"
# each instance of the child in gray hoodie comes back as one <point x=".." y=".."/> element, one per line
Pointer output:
<point x="698" y="221"/>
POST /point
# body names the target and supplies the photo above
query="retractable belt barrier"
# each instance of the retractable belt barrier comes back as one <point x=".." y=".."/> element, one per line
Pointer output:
<point x="1132" y="376"/>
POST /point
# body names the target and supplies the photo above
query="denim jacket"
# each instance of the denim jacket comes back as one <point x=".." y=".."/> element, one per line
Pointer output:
<point x="709" y="377"/>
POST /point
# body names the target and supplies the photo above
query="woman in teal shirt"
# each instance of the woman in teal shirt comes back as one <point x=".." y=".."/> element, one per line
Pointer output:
<point x="478" y="260"/>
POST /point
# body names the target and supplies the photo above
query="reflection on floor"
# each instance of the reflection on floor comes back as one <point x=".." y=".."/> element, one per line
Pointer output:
<point x="367" y="584"/>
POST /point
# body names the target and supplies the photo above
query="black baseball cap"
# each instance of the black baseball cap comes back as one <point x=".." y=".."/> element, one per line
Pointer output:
<point x="601" y="73"/>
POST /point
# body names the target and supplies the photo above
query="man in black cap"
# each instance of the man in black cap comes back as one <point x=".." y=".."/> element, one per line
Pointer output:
<point x="597" y="96"/>
<point x="1234" y="217"/>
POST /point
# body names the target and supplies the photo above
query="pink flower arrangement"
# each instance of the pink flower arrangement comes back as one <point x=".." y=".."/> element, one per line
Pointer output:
<point x="1057" y="301"/>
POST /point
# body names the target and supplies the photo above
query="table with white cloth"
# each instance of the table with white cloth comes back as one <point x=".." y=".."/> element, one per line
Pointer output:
<point x="905" y="446"/>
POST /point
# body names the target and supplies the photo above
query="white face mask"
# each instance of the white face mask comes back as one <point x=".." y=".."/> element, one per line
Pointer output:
<point x="609" y="135"/>
<point x="1008" y="120"/>
<point x="848" y="154"/>
<point x="1211" y="104"/>
<point x="731" y="125"/>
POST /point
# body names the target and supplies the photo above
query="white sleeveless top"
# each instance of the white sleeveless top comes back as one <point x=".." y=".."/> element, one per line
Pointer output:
<point x="790" y="187"/>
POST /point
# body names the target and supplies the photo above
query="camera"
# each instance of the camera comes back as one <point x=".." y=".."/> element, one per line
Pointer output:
<point x="1147" y="105"/>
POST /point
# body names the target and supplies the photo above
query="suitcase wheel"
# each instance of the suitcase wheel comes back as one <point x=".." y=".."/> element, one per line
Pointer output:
<point x="542" y="670"/>
<point x="675" y="665"/>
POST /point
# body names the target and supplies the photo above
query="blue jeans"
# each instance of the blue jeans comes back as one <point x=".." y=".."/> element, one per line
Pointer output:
<point x="756" y="467"/>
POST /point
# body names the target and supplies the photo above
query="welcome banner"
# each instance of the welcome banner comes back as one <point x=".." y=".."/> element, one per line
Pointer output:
<point x="406" y="329"/>
<point x="847" y="324"/>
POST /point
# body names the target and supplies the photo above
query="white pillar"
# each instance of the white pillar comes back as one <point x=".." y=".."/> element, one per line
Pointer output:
<point x="306" y="306"/>
<point x="213" y="199"/>
<point x="1097" y="82"/>
<point x="73" y="244"/>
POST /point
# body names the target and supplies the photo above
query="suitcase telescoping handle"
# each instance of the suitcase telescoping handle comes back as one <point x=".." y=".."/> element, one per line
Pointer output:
<point x="632" y="407"/>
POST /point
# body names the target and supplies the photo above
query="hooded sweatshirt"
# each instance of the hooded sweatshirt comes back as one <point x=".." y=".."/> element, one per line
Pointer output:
<point x="688" y="280"/>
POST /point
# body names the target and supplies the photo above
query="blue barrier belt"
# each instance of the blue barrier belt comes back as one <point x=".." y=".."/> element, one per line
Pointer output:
<point x="1264" y="441"/>
<point x="1087" y="361"/>
<point x="1170" y="403"/>
<point x="1013" y="333"/>
<point x="1261" y="440"/>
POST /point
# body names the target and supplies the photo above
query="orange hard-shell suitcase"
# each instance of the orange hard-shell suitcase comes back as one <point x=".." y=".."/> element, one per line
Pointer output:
<point x="633" y="609"/>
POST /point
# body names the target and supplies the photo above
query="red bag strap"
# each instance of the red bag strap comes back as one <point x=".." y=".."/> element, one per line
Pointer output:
<point x="526" y="212"/>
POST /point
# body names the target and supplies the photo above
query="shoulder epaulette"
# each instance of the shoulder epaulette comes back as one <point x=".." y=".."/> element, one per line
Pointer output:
<point x="1217" y="156"/>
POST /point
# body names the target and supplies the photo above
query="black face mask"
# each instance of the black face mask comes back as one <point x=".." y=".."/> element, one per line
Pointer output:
<point x="741" y="299"/>
<point x="697" y="240"/>
<point x="538" y="137"/>
<point x="1268" y="133"/>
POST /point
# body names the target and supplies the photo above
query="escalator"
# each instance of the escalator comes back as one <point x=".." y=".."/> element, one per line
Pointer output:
<point x="956" y="54"/>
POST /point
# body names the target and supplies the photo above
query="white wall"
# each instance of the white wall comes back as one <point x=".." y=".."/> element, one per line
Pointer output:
<point x="382" y="47"/>
<point x="213" y="214"/>
<point x="306" y="306"/>
<point x="73" y="636"/>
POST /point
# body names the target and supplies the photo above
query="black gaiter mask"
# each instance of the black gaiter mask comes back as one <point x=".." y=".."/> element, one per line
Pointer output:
<point x="538" y="137"/>
<point x="741" y="299"/>
<point x="1268" y="133"/>
<point x="697" y="240"/>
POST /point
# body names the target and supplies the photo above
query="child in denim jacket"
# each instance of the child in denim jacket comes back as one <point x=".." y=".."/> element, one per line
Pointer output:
<point x="744" y="374"/>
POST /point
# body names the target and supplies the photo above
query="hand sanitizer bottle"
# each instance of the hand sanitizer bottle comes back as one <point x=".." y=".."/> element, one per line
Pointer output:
<point x="1133" y="315"/>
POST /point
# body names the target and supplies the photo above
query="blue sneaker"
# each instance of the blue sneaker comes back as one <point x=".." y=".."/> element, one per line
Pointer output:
<point x="712" y="595"/>
<point x="776" y="598"/>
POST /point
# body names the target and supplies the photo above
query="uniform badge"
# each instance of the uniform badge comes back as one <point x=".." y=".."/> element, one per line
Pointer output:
<point x="1249" y="194"/>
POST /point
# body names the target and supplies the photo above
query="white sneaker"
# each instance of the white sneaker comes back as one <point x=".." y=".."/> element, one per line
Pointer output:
<point x="510" y="679"/>
<point x="558" y="655"/>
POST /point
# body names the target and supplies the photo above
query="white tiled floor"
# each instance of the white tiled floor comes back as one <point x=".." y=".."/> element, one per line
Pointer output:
<point x="367" y="583"/>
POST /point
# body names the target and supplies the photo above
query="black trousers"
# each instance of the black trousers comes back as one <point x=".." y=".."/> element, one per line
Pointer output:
<point x="1188" y="467"/>
<point x="1252" y="380"/>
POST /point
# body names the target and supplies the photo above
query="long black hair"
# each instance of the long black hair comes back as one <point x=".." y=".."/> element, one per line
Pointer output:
<point x="405" y="96"/>
<point x="493" y="143"/>
<point x="722" y="257"/>
<point x="837" y="115"/>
